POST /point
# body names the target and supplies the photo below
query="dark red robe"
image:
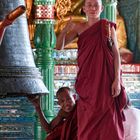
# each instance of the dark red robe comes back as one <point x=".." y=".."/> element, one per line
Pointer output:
<point x="99" y="114"/>
<point x="67" y="129"/>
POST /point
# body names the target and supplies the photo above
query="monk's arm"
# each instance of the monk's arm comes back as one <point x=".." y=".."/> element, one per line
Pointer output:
<point x="60" y="116"/>
<point x="42" y="118"/>
<point x="54" y="123"/>
<point x="67" y="35"/>
<point x="35" y="100"/>
<point x="44" y="122"/>
<point x="117" y="64"/>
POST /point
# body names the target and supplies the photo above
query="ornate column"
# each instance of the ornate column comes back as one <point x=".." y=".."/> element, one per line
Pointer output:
<point x="44" y="42"/>
<point x="109" y="10"/>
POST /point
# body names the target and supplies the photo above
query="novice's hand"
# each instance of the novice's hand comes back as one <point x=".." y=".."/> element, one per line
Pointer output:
<point x="35" y="99"/>
<point x="116" y="88"/>
<point x="69" y="26"/>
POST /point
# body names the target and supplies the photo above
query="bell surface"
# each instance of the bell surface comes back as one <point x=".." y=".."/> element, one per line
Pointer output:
<point x="18" y="73"/>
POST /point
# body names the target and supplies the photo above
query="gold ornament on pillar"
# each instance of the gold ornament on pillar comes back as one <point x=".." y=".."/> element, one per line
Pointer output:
<point x="74" y="10"/>
<point x="62" y="7"/>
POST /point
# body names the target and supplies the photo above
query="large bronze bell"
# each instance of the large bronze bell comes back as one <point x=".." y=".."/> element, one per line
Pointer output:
<point x="18" y="73"/>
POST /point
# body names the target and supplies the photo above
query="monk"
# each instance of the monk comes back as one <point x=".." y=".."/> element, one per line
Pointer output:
<point x="98" y="84"/>
<point x="64" y="125"/>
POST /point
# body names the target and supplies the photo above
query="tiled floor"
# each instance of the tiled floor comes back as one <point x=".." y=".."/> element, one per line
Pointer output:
<point x="131" y="80"/>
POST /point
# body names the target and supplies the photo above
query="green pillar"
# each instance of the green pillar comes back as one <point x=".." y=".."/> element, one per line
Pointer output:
<point x="44" y="41"/>
<point x="109" y="10"/>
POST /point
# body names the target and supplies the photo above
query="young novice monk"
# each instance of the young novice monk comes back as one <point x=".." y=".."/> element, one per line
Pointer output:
<point x="98" y="83"/>
<point x="64" y="125"/>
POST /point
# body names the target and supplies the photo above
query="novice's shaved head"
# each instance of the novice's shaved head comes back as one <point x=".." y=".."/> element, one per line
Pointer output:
<point x="100" y="1"/>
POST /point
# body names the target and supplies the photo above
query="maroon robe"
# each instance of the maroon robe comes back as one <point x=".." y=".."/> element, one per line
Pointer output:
<point x="99" y="114"/>
<point x="67" y="129"/>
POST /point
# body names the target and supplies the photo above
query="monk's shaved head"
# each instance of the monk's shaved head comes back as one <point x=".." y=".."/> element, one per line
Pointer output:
<point x="100" y="1"/>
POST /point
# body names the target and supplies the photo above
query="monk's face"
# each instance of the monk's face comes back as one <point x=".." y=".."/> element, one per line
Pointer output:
<point x="93" y="8"/>
<point x="66" y="101"/>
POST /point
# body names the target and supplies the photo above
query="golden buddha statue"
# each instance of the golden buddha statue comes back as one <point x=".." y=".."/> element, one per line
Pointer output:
<point x="125" y="53"/>
<point x="121" y="31"/>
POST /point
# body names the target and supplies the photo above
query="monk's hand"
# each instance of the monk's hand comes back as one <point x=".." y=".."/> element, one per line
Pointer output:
<point x="116" y="88"/>
<point x="69" y="26"/>
<point x="63" y="114"/>
<point x="35" y="99"/>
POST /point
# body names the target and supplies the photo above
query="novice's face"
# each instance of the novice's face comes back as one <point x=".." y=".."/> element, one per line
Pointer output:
<point x="93" y="8"/>
<point x="66" y="101"/>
